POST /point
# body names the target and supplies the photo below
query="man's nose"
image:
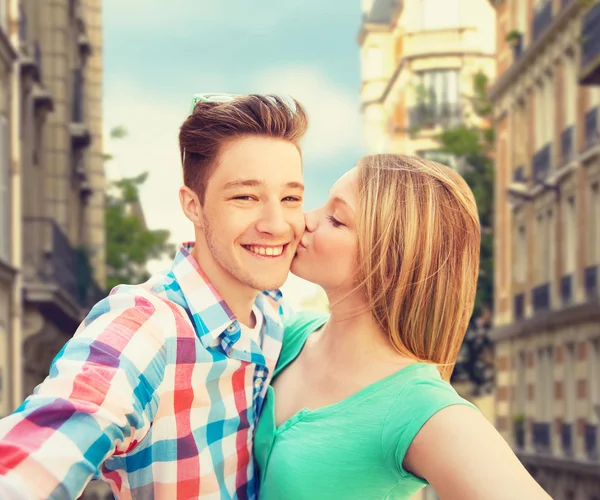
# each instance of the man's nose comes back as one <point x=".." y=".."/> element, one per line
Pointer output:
<point x="273" y="221"/>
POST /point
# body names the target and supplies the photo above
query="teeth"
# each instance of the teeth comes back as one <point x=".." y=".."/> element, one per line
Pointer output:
<point x="270" y="251"/>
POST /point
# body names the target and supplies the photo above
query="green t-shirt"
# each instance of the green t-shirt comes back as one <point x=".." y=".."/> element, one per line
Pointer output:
<point x="352" y="449"/>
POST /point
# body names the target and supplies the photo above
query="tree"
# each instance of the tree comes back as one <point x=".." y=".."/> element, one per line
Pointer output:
<point x="473" y="146"/>
<point x="129" y="243"/>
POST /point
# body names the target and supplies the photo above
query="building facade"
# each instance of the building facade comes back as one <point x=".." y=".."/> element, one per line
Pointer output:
<point x="418" y="62"/>
<point x="52" y="227"/>
<point x="547" y="314"/>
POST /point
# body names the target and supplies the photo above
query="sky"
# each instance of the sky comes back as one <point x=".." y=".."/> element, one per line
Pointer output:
<point x="157" y="55"/>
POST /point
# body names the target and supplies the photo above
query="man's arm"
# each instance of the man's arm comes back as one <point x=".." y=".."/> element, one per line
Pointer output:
<point x="96" y="402"/>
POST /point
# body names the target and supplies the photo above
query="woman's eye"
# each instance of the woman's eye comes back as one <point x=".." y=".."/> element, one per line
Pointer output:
<point x="334" y="221"/>
<point x="292" y="198"/>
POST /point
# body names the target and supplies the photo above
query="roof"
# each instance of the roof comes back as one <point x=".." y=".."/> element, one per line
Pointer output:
<point x="382" y="11"/>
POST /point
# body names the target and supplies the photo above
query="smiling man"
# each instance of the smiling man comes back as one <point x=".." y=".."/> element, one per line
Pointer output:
<point x="159" y="390"/>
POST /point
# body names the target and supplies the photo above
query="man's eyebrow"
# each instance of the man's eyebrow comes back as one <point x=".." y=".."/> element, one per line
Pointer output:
<point x="243" y="183"/>
<point x="256" y="183"/>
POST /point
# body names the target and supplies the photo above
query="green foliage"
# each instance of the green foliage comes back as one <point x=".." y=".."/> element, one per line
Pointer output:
<point x="473" y="146"/>
<point x="129" y="244"/>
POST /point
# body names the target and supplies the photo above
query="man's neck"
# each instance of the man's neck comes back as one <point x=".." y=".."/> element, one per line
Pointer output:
<point x="239" y="297"/>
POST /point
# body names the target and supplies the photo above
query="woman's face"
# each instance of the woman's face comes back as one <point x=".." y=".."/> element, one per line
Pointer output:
<point x="327" y="253"/>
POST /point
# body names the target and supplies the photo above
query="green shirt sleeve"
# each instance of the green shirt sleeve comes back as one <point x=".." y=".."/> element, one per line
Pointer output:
<point x="417" y="402"/>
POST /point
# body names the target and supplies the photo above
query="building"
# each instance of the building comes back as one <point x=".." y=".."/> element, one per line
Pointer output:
<point x="418" y="60"/>
<point x="547" y="314"/>
<point x="55" y="212"/>
<point x="8" y="274"/>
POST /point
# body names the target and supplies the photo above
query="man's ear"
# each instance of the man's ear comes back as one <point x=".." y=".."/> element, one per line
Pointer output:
<point x="190" y="204"/>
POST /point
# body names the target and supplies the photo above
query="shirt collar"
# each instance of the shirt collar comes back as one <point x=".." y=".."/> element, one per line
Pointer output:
<point x="210" y="313"/>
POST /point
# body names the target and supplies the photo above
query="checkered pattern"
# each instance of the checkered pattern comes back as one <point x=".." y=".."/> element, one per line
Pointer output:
<point x="157" y="393"/>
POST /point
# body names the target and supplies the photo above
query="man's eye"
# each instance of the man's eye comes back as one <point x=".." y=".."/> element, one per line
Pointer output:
<point x="244" y="198"/>
<point x="292" y="198"/>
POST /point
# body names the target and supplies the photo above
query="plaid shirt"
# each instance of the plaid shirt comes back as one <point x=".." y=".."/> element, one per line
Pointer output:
<point x="157" y="393"/>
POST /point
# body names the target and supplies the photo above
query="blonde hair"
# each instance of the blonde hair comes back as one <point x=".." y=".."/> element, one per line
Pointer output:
<point x="419" y="244"/>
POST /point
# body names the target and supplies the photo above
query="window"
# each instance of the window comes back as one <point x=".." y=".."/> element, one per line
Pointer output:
<point x="594" y="225"/>
<point x="437" y="14"/>
<point x="521" y="386"/>
<point x="438" y="86"/>
<point x="520" y="269"/>
<point x="569" y="238"/>
<point x="544" y="385"/>
<point x="570" y="86"/>
<point x="594" y="371"/>
<point x="4" y="189"/>
<point x="521" y="131"/>
<point x="570" y="389"/>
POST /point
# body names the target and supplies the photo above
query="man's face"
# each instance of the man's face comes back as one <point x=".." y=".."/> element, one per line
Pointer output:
<point x="252" y="219"/>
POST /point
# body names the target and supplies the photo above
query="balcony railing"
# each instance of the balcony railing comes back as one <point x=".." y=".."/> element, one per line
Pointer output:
<point x="51" y="260"/>
<point x="566" y="289"/>
<point x="541" y="164"/>
<point x="519" y="306"/>
<point x="591" y="127"/>
<point x="542" y="19"/>
<point x="519" y="174"/>
<point x="541" y="437"/>
<point x="431" y="116"/>
<point x="519" y="429"/>
<point x="541" y="297"/>
<point x="566" y="145"/>
<point x="590" y="282"/>
<point x="590" y="46"/>
<point x="566" y="435"/>
<point x="590" y="438"/>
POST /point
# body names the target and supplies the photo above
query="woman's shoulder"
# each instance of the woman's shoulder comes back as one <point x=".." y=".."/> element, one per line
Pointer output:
<point x="423" y="395"/>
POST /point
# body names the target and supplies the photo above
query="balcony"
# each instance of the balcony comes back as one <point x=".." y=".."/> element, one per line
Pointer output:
<point x="590" y="282"/>
<point x="541" y="164"/>
<point x="566" y="145"/>
<point x="566" y="289"/>
<point x="428" y="116"/>
<point x="591" y="128"/>
<point x="541" y="437"/>
<point x="566" y="437"/>
<point x="540" y="296"/>
<point x="455" y="40"/>
<point x="519" y="306"/>
<point x="57" y="277"/>
<point x="542" y="19"/>
<point x="590" y="438"/>
<point x="590" y="47"/>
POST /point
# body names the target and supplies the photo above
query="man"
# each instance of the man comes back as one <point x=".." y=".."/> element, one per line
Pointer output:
<point x="159" y="390"/>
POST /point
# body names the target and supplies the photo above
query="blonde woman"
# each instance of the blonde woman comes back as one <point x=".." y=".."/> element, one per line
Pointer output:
<point x="360" y="405"/>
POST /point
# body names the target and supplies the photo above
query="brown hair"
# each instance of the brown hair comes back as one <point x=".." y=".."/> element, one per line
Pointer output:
<point x="213" y="124"/>
<point x="419" y="242"/>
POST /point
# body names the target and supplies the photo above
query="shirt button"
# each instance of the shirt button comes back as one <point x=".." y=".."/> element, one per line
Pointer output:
<point x="231" y="328"/>
<point x="258" y="382"/>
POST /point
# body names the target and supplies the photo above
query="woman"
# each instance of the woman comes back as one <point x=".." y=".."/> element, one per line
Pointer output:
<point x="360" y="406"/>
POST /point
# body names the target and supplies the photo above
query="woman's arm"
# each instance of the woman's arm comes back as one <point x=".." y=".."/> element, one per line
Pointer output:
<point x="463" y="457"/>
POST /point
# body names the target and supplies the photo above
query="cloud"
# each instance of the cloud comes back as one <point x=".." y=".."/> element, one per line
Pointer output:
<point x="335" y="124"/>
